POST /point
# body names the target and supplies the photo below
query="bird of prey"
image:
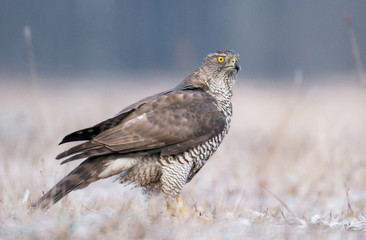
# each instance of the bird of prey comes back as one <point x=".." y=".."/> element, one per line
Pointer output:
<point x="160" y="142"/>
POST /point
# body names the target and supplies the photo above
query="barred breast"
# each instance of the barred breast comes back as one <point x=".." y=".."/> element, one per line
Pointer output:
<point x="180" y="169"/>
<point x="169" y="174"/>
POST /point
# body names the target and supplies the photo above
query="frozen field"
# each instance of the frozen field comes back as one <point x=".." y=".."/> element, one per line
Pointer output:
<point x="293" y="165"/>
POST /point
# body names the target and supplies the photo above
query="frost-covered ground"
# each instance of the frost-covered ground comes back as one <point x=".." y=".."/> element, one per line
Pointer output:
<point x="292" y="167"/>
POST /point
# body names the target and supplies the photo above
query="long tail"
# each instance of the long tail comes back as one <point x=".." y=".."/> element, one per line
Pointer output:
<point x="91" y="170"/>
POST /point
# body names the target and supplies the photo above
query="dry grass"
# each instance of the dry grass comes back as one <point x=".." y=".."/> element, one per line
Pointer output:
<point x="292" y="166"/>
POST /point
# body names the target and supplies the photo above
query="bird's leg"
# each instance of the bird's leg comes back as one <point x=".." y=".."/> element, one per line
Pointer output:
<point x="181" y="207"/>
<point x="172" y="187"/>
<point x="172" y="208"/>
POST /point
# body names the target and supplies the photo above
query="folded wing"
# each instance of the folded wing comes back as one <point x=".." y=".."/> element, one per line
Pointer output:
<point x="169" y="124"/>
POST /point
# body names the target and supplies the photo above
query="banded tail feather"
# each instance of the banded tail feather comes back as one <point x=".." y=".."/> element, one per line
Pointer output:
<point x="91" y="170"/>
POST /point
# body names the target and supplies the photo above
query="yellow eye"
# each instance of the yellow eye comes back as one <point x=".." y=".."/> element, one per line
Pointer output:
<point x="220" y="59"/>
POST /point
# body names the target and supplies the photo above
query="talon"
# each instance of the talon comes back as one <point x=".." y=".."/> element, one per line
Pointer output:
<point x="181" y="207"/>
<point x="171" y="209"/>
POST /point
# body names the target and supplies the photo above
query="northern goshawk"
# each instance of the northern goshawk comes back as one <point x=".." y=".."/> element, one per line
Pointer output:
<point x="160" y="142"/>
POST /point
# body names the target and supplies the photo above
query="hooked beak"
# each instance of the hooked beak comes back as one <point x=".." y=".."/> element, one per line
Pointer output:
<point x="234" y="63"/>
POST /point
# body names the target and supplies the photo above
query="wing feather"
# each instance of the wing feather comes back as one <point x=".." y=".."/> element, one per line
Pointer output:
<point x="170" y="123"/>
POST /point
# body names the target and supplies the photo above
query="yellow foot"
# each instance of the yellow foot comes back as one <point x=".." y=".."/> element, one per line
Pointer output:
<point x="172" y="208"/>
<point x="181" y="208"/>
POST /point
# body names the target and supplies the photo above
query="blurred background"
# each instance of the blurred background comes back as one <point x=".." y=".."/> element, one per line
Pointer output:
<point x="295" y="154"/>
<point x="276" y="39"/>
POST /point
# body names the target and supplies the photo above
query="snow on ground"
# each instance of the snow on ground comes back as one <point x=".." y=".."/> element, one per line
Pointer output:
<point x="292" y="167"/>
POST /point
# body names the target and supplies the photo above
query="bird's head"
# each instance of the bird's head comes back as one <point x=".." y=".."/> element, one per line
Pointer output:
<point x="216" y="75"/>
<point x="223" y="61"/>
<point x="220" y="69"/>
